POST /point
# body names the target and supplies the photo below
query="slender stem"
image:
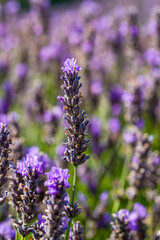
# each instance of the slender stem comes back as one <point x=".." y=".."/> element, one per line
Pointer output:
<point x="74" y="185"/>
<point x="72" y="199"/>
<point x="122" y="181"/>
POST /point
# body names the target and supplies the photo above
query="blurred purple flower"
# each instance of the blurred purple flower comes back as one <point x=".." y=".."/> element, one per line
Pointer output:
<point x="96" y="87"/>
<point x="12" y="7"/>
<point x="60" y="150"/>
<point x="114" y="125"/>
<point x="95" y="126"/>
<point x="6" y="230"/>
<point x="104" y="196"/>
<point x="21" y="70"/>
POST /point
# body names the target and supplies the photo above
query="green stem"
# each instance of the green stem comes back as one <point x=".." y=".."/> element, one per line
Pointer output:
<point x="122" y="181"/>
<point x="72" y="199"/>
<point x="74" y="185"/>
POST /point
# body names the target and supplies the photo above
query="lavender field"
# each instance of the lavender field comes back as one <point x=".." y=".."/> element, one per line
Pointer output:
<point x="80" y="120"/>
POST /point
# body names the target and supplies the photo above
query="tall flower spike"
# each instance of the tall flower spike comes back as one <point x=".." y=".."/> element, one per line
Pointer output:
<point x="5" y="143"/>
<point x="77" y="140"/>
<point x="55" y="221"/>
<point x="144" y="167"/>
<point x="77" y="233"/>
<point x="30" y="169"/>
<point x="129" y="225"/>
<point x="120" y="225"/>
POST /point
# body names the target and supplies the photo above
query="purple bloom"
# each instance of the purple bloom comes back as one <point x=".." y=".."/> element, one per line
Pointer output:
<point x="115" y="94"/>
<point x="41" y="157"/>
<point x="116" y="109"/>
<point x="123" y="215"/>
<point x="6" y="230"/>
<point x="129" y="137"/>
<point x="152" y="56"/>
<point x="40" y="219"/>
<point x="82" y="198"/>
<point x="134" y="30"/>
<point x="133" y="221"/>
<point x="114" y="125"/>
<point x="95" y="126"/>
<point x="86" y="47"/>
<point x="30" y="163"/>
<point x="140" y="210"/>
<point x="104" y="220"/>
<point x="54" y="113"/>
<point x="135" y="159"/>
<point x="140" y="123"/>
<point x="96" y="87"/>
<point x="60" y="150"/>
<point x="56" y="177"/>
<point x="104" y="196"/>
<point x="3" y="117"/>
<point x="12" y="7"/>
<point x="156" y="160"/>
<point x="127" y="98"/>
<point x="70" y="66"/>
<point x="21" y="70"/>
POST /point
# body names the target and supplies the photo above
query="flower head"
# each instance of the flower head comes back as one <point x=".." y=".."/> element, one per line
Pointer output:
<point x="70" y="66"/>
<point x="30" y="163"/>
<point x="56" y="177"/>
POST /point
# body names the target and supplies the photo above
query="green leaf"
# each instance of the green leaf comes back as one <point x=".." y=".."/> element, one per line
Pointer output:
<point x="18" y="236"/>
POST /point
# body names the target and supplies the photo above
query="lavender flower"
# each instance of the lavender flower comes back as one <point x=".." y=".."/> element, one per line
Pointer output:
<point x="77" y="233"/>
<point x="5" y="143"/>
<point x="70" y="67"/>
<point x="6" y="230"/>
<point x="30" y="169"/>
<point x="55" y="219"/>
<point x="41" y="157"/>
<point x="51" y="122"/>
<point x="134" y="29"/>
<point x="129" y="225"/>
<point x="144" y="166"/>
<point x="120" y="226"/>
<point x="77" y="141"/>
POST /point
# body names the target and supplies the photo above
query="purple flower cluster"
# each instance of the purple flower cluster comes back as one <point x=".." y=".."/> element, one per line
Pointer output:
<point x="5" y="143"/>
<point x="129" y="225"/>
<point x="30" y="166"/>
<point x="29" y="170"/>
<point x="55" y="220"/>
<point x="56" y="177"/>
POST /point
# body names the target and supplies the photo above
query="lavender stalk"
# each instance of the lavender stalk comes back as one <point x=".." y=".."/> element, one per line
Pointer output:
<point x="77" y="140"/>
<point x="5" y="143"/>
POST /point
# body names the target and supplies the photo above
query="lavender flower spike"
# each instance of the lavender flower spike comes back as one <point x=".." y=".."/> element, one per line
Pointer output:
<point x="77" y="140"/>
<point x="30" y="169"/>
<point x="77" y="233"/>
<point x="55" y="221"/>
<point x="4" y="160"/>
